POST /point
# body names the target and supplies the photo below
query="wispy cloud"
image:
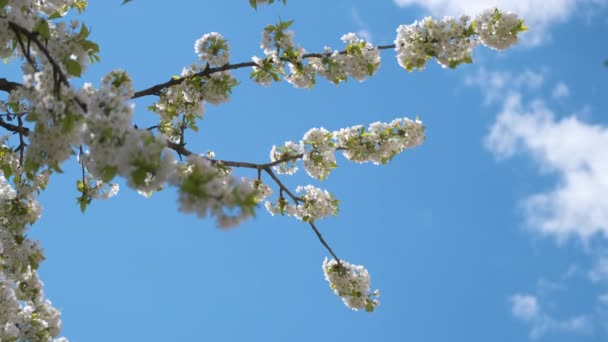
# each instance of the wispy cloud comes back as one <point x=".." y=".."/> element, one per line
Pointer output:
<point x="494" y="84"/>
<point x="363" y="29"/>
<point x="599" y="273"/>
<point x="560" y="90"/>
<point x="525" y="307"/>
<point x="539" y="15"/>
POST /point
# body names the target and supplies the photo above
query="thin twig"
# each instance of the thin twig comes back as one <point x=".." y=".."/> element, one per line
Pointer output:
<point x="324" y="243"/>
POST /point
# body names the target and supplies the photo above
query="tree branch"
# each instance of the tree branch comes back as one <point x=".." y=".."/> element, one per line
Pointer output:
<point x="8" y="86"/>
<point x="156" y="89"/>
<point x="58" y="74"/>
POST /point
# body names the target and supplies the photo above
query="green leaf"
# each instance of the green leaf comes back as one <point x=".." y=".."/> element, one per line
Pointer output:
<point x="83" y="202"/>
<point x="108" y="172"/>
<point x="253" y="4"/>
<point x="139" y="176"/>
<point x="7" y="170"/>
<point x="43" y="29"/>
<point x="73" y="67"/>
<point x="124" y="2"/>
<point x="55" y="15"/>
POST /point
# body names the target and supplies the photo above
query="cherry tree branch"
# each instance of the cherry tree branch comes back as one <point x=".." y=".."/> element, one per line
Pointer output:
<point x="8" y="86"/>
<point x="58" y="75"/>
<point x="324" y="243"/>
<point x="157" y="89"/>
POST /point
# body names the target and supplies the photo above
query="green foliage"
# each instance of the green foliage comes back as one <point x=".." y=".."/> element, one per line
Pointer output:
<point x="43" y="29"/>
<point x="73" y="67"/>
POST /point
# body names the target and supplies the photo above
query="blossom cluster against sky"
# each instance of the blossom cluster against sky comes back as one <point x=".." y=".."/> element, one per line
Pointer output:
<point x="494" y="229"/>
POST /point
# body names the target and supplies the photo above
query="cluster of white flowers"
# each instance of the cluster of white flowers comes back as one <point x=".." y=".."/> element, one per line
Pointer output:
<point x="25" y="314"/>
<point x="117" y="148"/>
<point x="359" y="60"/>
<point x="498" y="30"/>
<point x="319" y="157"/>
<point x="206" y="189"/>
<point x="378" y="144"/>
<point x="97" y="189"/>
<point x="262" y="190"/>
<point x="316" y="204"/>
<point x="288" y="154"/>
<point x="187" y="99"/>
<point x="445" y="39"/>
<point x="217" y="87"/>
<point x="213" y="48"/>
<point x="451" y="42"/>
<point x="58" y="123"/>
<point x="351" y="283"/>
<point x="275" y="37"/>
<point x="381" y="142"/>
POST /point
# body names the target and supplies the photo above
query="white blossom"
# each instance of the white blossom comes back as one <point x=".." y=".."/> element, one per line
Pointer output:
<point x="213" y="48"/>
<point x="351" y="283"/>
<point x="288" y="154"/>
<point x="498" y="30"/>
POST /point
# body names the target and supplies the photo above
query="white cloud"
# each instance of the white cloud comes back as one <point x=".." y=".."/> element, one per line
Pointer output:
<point x="363" y="30"/>
<point x="539" y="14"/>
<point x="495" y="84"/>
<point x="599" y="273"/>
<point x="560" y="90"/>
<point x="526" y="308"/>
<point x="568" y="147"/>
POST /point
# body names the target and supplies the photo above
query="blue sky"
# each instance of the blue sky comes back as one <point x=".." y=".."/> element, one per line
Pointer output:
<point x="495" y="229"/>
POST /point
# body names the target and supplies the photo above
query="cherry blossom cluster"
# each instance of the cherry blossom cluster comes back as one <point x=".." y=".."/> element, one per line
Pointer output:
<point x="498" y="30"/>
<point x="314" y="204"/>
<point x="205" y="188"/>
<point x="358" y="60"/>
<point x="25" y="313"/>
<point x="351" y="283"/>
<point x="381" y="141"/>
<point x="451" y="41"/>
<point x="187" y="98"/>
<point x="378" y="144"/>
<point x="67" y="42"/>
<point x="213" y="48"/>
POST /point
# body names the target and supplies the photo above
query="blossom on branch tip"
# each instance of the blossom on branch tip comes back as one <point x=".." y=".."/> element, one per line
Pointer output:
<point x="381" y="141"/>
<point x="351" y="283"/>
<point x="213" y="48"/>
<point x="451" y="41"/>
<point x="498" y="30"/>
